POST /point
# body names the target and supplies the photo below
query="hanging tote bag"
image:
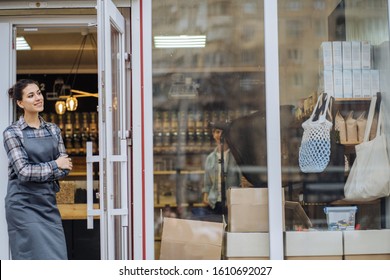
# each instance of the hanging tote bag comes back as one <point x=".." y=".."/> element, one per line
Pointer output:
<point x="314" y="152"/>
<point x="369" y="177"/>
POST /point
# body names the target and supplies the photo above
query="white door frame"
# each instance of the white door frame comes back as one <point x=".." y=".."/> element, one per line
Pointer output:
<point x="6" y="79"/>
<point x="142" y="130"/>
<point x="141" y="218"/>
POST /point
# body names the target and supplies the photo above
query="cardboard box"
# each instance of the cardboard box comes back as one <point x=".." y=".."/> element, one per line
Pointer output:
<point x="313" y="245"/>
<point x="337" y="55"/>
<point x="327" y="80"/>
<point x="366" y="83"/>
<point x="248" y="209"/>
<point x="326" y="55"/>
<point x="247" y="245"/>
<point x="357" y="83"/>
<point x="356" y="55"/>
<point x="191" y="240"/>
<point x="347" y="83"/>
<point x="366" y="54"/>
<point x="338" y="83"/>
<point x="347" y="55"/>
<point x="367" y="244"/>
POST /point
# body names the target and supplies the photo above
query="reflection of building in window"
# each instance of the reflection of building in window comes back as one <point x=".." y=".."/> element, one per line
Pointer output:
<point x="295" y="55"/>
<point x="294" y="5"/>
<point x="320" y="28"/>
<point x="319" y="4"/>
<point x="297" y="80"/>
<point x="294" y="28"/>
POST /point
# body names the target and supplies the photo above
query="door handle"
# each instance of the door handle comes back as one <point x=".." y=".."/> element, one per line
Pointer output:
<point x="91" y="212"/>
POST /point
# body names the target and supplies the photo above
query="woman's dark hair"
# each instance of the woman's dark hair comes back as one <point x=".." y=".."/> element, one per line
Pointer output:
<point x="16" y="92"/>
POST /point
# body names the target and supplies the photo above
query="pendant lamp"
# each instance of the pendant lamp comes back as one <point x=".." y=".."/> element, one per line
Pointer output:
<point x="71" y="103"/>
<point x="60" y="107"/>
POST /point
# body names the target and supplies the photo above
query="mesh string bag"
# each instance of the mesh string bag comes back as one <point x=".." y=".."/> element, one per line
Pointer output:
<point x="314" y="152"/>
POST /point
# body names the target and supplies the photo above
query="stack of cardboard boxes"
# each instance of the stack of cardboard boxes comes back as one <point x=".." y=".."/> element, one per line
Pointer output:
<point x="247" y="235"/>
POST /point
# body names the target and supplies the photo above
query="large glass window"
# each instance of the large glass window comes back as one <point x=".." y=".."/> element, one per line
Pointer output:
<point x="208" y="80"/>
<point x="336" y="49"/>
<point x="208" y="83"/>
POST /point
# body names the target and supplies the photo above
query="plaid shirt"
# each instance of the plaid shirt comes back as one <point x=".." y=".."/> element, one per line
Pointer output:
<point x="19" y="164"/>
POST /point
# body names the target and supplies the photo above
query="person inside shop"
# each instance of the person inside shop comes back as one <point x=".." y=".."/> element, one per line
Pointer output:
<point x="37" y="159"/>
<point x="217" y="178"/>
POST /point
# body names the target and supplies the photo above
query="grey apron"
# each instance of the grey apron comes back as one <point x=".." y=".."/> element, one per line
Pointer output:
<point x="34" y="223"/>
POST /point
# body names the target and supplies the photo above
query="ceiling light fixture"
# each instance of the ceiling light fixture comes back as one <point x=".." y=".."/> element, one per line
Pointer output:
<point x="21" y="44"/>
<point x="60" y="107"/>
<point x="181" y="41"/>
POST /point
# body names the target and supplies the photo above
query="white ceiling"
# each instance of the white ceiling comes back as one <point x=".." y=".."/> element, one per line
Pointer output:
<point x="54" y="50"/>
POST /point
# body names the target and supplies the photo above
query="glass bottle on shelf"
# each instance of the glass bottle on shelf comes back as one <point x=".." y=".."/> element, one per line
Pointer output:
<point x="206" y="130"/>
<point x="182" y="130"/>
<point x="93" y="133"/>
<point x="157" y="131"/>
<point x="191" y="130"/>
<point x="174" y="129"/>
<point x="166" y="130"/>
<point x="199" y="130"/>
<point x="69" y="134"/>
<point x="76" y="138"/>
<point x="84" y="132"/>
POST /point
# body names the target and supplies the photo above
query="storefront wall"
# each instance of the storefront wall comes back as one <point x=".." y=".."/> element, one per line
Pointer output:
<point x="261" y="62"/>
<point x="255" y="75"/>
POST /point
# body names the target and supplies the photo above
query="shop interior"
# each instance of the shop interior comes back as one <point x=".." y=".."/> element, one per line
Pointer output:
<point x="63" y="60"/>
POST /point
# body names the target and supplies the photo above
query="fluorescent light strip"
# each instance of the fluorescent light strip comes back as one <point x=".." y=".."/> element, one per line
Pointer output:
<point x="21" y="44"/>
<point x="182" y="41"/>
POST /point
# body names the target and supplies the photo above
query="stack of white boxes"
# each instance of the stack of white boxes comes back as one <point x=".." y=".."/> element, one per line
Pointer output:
<point x="347" y="69"/>
<point x="247" y="235"/>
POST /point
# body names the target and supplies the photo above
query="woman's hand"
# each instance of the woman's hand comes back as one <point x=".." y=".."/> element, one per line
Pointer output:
<point x="64" y="162"/>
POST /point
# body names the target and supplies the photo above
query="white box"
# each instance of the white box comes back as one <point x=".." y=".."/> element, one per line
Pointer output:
<point x="347" y="55"/>
<point x="337" y="55"/>
<point x="366" y="83"/>
<point x="347" y="83"/>
<point x="374" y="82"/>
<point x="338" y="83"/>
<point x="366" y="50"/>
<point x="247" y="244"/>
<point x="367" y="244"/>
<point x="357" y="83"/>
<point x="327" y="80"/>
<point x="356" y="55"/>
<point x="341" y="218"/>
<point x="314" y="244"/>
<point x="326" y="55"/>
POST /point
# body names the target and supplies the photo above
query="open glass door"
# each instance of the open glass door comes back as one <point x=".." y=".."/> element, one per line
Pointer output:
<point x="112" y="160"/>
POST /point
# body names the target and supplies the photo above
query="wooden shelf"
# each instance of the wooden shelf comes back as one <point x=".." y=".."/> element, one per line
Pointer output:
<point x="75" y="211"/>
<point x="352" y="99"/>
<point x="350" y="143"/>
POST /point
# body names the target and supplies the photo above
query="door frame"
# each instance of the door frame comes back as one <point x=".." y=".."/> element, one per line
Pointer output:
<point x="140" y="121"/>
<point x="141" y="212"/>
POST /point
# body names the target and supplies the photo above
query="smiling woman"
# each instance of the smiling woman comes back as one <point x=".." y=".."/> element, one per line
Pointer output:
<point x="37" y="159"/>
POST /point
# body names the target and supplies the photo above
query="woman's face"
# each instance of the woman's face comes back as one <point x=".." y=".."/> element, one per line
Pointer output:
<point x="32" y="100"/>
<point x="217" y="135"/>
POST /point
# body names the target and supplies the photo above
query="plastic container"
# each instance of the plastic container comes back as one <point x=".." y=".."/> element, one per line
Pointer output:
<point x="341" y="218"/>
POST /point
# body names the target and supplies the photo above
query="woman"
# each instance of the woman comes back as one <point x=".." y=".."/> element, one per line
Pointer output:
<point x="212" y="189"/>
<point x="37" y="159"/>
